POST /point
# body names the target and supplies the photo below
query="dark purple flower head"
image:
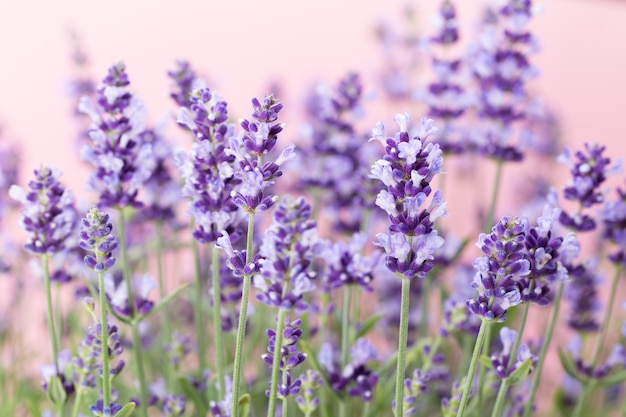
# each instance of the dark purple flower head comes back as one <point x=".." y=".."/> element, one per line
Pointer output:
<point x="589" y="169"/>
<point x="290" y="357"/>
<point x="287" y="252"/>
<point x="49" y="214"/>
<point x="96" y="238"/>
<point x="261" y="133"/>
<point x="406" y="170"/>
<point x="121" y="160"/>
<point x="99" y="410"/>
<point x="498" y="272"/>
<point x="236" y="259"/>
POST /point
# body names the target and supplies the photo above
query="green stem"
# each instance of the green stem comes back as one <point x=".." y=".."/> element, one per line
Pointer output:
<point x="345" y="339"/>
<point x="51" y="326"/>
<point x="104" y="337"/>
<point x="125" y="267"/>
<point x="544" y="350"/>
<point x="423" y="326"/>
<point x="166" y="331"/>
<point x="241" y="328"/>
<point x="197" y="308"/>
<point x="501" y="397"/>
<point x="494" y="197"/>
<point x="271" y="410"/>
<point x="590" y="384"/>
<point x="78" y="399"/>
<point x="141" y="373"/>
<point x="217" y="322"/>
<point x="482" y="374"/>
<point x="403" y="331"/>
<point x="472" y="368"/>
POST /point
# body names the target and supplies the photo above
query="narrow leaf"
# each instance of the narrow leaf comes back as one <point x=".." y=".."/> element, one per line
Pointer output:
<point x="126" y="411"/>
<point x="244" y="405"/>
<point x="368" y="326"/>
<point x="520" y="373"/>
<point x="56" y="393"/>
<point x="190" y="392"/>
<point x="569" y="365"/>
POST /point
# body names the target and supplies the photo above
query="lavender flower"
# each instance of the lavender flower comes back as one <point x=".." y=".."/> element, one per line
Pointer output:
<point x="209" y="171"/>
<point x="311" y="381"/>
<point x="347" y="265"/>
<point x="498" y="272"/>
<point x="122" y="161"/>
<point x="589" y="170"/>
<point x="258" y="138"/>
<point x="287" y="251"/>
<point x="289" y="357"/>
<point x="222" y="408"/>
<point x="333" y="160"/>
<point x="614" y="219"/>
<point x="96" y="238"/>
<point x="457" y="316"/>
<point x="178" y="348"/>
<point x="450" y="405"/>
<point x="49" y="214"/>
<point x="185" y="82"/>
<point x="99" y="410"/>
<point x="63" y="372"/>
<point x="173" y="405"/>
<point x="117" y="294"/>
<point x="501" y="67"/>
<point x="501" y="361"/>
<point x="356" y="377"/>
<point x="407" y="169"/>
<point x="583" y="295"/>
<point x="548" y="256"/>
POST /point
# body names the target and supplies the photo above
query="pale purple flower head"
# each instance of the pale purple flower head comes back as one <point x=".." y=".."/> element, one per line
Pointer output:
<point x="122" y="161"/>
<point x="502" y="361"/>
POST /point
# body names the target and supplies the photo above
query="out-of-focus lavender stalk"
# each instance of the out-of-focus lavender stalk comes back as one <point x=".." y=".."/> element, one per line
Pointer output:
<point x="589" y="385"/>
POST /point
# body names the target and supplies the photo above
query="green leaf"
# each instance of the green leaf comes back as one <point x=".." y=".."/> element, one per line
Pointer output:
<point x="613" y="379"/>
<point x="56" y="393"/>
<point x="126" y="411"/>
<point x="198" y="399"/>
<point x="521" y="373"/>
<point x="569" y="365"/>
<point x="158" y="306"/>
<point x="486" y="361"/>
<point x="368" y="326"/>
<point x="244" y="405"/>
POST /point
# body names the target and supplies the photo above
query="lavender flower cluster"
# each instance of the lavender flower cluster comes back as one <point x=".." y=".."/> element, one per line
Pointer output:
<point x="310" y="294"/>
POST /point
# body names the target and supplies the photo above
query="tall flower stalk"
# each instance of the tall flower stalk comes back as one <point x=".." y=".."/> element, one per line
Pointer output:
<point x="406" y="170"/>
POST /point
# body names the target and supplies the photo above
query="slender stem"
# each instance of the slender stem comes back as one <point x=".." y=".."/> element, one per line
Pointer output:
<point x="494" y="197"/>
<point x="125" y="267"/>
<point x="51" y="326"/>
<point x="284" y="411"/>
<point x="141" y="373"/>
<point x="472" y="368"/>
<point x="423" y="326"/>
<point x="197" y="308"/>
<point x="402" y="341"/>
<point x="589" y="385"/>
<point x="241" y="328"/>
<point x="78" y="399"/>
<point x="166" y="332"/>
<point x="504" y="385"/>
<point x="104" y="337"/>
<point x="544" y="350"/>
<point x="217" y="319"/>
<point x="482" y="374"/>
<point x="345" y="339"/>
<point x="278" y="343"/>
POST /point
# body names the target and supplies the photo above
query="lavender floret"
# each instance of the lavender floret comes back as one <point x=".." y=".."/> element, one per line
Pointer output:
<point x="49" y="214"/>
<point x="96" y="238"/>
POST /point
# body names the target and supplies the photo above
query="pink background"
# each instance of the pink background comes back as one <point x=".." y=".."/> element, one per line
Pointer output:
<point x="242" y="46"/>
